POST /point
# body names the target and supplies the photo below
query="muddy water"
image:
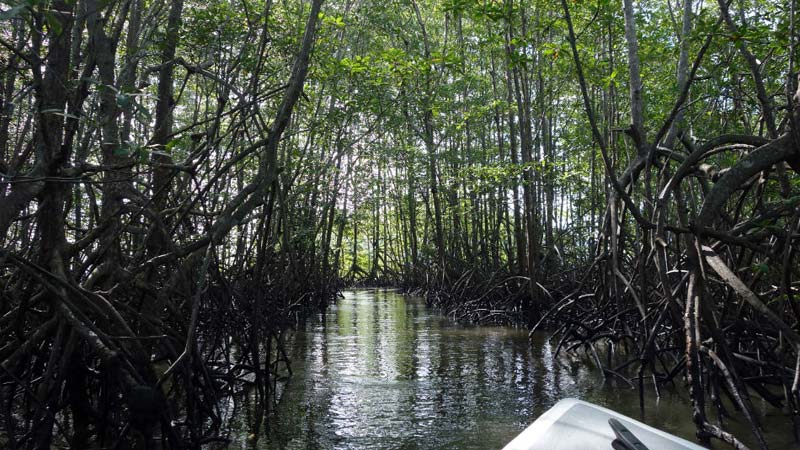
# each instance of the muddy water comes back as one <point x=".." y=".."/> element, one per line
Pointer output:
<point x="382" y="371"/>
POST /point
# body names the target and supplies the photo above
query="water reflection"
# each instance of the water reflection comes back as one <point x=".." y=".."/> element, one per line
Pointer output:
<point x="382" y="371"/>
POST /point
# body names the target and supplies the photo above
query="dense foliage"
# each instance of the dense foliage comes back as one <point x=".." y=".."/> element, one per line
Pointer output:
<point x="181" y="181"/>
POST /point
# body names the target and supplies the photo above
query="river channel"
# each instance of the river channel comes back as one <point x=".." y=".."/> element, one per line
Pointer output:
<point x="380" y="370"/>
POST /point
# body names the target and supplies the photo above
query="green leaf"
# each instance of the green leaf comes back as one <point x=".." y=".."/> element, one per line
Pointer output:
<point x="53" y="23"/>
<point x="122" y="150"/>
<point x="123" y="101"/>
<point x="171" y="144"/>
<point x="761" y="268"/>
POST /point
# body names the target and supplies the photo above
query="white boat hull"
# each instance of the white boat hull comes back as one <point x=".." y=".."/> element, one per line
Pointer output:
<point x="577" y="425"/>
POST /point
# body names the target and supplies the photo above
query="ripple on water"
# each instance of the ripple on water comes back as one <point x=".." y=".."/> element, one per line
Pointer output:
<point x="382" y="371"/>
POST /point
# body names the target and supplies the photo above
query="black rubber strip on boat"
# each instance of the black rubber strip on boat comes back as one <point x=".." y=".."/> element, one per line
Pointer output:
<point x="625" y="437"/>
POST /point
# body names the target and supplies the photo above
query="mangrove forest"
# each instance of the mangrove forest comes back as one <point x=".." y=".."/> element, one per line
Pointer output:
<point x="187" y="187"/>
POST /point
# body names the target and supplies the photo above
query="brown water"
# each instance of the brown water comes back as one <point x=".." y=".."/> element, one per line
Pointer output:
<point x="382" y="371"/>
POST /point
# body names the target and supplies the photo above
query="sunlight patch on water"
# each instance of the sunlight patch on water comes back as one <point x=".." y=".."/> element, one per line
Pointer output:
<point x="381" y="370"/>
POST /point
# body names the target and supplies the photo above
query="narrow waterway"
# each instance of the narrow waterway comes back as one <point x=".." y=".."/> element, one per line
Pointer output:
<point x="382" y="371"/>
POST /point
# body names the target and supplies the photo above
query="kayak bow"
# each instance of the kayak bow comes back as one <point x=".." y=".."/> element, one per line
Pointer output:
<point x="573" y="424"/>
